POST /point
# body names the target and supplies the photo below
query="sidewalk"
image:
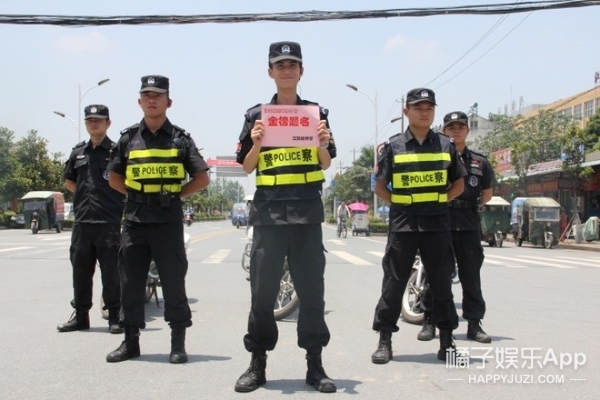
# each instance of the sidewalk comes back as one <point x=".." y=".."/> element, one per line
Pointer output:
<point x="570" y="244"/>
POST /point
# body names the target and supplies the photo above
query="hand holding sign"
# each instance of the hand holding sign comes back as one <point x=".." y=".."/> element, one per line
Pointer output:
<point x="290" y="126"/>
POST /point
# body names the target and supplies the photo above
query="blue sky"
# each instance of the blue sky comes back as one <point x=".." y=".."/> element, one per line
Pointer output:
<point x="217" y="71"/>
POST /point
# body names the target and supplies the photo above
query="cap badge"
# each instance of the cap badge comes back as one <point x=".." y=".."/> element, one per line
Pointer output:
<point x="424" y="93"/>
<point x="93" y="110"/>
<point x="454" y="116"/>
<point x="151" y="81"/>
<point x="285" y="49"/>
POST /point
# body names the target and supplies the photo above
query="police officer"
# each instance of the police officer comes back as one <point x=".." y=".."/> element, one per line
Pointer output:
<point x="97" y="229"/>
<point x="466" y="230"/>
<point x="425" y="173"/>
<point x="149" y="166"/>
<point x="286" y="215"/>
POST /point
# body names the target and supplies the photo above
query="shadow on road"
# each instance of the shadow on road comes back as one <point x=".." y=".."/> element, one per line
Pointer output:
<point x="292" y="386"/>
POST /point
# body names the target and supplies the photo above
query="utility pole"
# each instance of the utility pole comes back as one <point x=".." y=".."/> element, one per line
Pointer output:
<point x="353" y="155"/>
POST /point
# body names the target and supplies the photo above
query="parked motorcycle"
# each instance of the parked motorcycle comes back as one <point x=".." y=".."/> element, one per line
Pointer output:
<point x="287" y="300"/>
<point x="188" y="219"/>
<point x="412" y="311"/>
<point x="152" y="283"/>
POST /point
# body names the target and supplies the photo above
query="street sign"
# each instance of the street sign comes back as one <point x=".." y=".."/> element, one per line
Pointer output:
<point x="334" y="182"/>
<point x="372" y="182"/>
<point x="226" y="167"/>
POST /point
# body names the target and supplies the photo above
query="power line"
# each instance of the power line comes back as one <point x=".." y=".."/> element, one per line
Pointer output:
<point x="294" y="16"/>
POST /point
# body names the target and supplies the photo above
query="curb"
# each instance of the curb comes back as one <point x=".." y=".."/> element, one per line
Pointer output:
<point x="575" y="246"/>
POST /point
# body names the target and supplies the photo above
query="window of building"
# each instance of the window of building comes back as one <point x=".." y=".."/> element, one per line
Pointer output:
<point x="598" y="103"/>
<point x="473" y="124"/>
<point x="588" y="108"/>
<point x="567" y="111"/>
<point x="577" y="111"/>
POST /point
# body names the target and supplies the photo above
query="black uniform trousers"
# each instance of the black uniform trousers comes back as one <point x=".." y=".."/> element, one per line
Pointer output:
<point x="303" y="246"/>
<point x="469" y="258"/>
<point x="91" y="243"/>
<point x="163" y="243"/>
<point x="400" y="252"/>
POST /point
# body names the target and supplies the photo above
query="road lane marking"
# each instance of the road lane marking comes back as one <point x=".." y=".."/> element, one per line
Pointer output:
<point x="212" y="234"/>
<point x="377" y="253"/>
<point x="16" y="248"/>
<point x="46" y="239"/>
<point x="578" y="261"/>
<point x="493" y="262"/>
<point x="545" y="264"/>
<point x="339" y="242"/>
<point x="350" y="258"/>
<point x="217" y="257"/>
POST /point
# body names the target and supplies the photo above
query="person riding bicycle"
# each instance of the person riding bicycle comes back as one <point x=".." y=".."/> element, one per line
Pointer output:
<point x="342" y="212"/>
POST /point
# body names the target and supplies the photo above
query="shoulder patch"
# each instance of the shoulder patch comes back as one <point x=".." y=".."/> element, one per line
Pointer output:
<point x="129" y="129"/>
<point x="253" y="111"/>
<point x="478" y="153"/>
<point x="78" y="145"/>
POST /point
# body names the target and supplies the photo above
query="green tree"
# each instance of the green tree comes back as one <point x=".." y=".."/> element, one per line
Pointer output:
<point x="591" y="133"/>
<point x="355" y="183"/>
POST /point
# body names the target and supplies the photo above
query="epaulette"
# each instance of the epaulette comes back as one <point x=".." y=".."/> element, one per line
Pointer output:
<point x="131" y="128"/>
<point x="78" y="145"/>
<point x="393" y="136"/>
<point x="478" y="153"/>
<point x="181" y="131"/>
<point x="252" y="111"/>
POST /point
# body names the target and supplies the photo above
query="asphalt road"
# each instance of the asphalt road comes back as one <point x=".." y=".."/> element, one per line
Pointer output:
<point x="540" y="303"/>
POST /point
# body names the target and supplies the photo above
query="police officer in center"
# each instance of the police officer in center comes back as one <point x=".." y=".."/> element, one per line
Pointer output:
<point x="286" y="215"/>
<point x="425" y="172"/>
<point x="149" y="166"/>
<point x="97" y="229"/>
<point x="466" y="230"/>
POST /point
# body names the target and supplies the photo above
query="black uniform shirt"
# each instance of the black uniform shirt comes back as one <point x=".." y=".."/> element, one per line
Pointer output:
<point x="94" y="201"/>
<point x="268" y="211"/>
<point x="481" y="176"/>
<point x="193" y="163"/>
<point x="401" y="221"/>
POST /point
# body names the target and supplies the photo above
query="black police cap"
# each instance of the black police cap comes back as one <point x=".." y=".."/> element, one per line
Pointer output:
<point x="420" y="94"/>
<point x="155" y="83"/>
<point x="285" y="51"/>
<point x="455" y="116"/>
<point x="97" y="111"/>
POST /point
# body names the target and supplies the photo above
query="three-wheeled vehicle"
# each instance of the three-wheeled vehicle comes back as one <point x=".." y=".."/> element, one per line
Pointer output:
<point x="43" y="210"/>
<point x="536" y="220"/>
<point x="495" y="221"/>
<point x="239" y="215"/>
<point x="360" y="223"/>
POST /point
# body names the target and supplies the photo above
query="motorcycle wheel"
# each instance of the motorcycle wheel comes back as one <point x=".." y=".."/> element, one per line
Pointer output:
<point x="237" y="225"/>
<point x="246" y="258"/>
<point x="287" y="299"/>
<point x="34" y="228"/>
<point x="411" y="301"/>
<point x="498" y="239"/>
<point x="548" y="239"/>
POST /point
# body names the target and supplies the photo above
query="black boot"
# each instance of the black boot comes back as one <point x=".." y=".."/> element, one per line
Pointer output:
<point x="316" y="376"/>
<point x="129" y="348"/>
<point x="178" y="355"/>
<point x="255" y="375"/>
<point x="474" y="332"/>
<point x="383" y="354"/>
<point x="79" y="320"/>
<point x="446" y="344"/>
<point x="114" y="321"/>
<point x="427" y="332"/>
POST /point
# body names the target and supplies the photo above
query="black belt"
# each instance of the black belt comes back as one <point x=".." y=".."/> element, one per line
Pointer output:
<point x="463" y="204"/>
<point x="143" y="198"/>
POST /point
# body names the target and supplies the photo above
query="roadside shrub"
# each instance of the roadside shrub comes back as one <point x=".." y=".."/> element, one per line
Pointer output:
<point x="6" y="216"/>
<point x="378" y="226"/>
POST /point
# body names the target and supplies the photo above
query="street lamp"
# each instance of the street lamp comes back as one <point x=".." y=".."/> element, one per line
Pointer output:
<point x="374" y="102"/>
<point x="81" y="94"/>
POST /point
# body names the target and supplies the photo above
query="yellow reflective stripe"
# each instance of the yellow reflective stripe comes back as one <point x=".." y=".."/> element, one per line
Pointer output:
<point x="290" y="179"/>
<point x="161" y="153"/>
<point x="287" y="157"/>
<point x="401" y="180"/>
<point x="171" y="188"/>
<point x="419" y="198"/>
<point x="417" y="157"/>
<point x="155" y="171"/>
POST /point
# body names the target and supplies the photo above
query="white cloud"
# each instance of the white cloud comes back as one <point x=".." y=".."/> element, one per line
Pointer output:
<point x="396" y="41"/>
<point x="93" y="41"/>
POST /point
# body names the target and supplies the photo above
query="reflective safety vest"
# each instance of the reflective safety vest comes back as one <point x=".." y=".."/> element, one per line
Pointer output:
<point x="289" y="166"/>
<point x="153" y="170"/>
<point x="421" y="178"/>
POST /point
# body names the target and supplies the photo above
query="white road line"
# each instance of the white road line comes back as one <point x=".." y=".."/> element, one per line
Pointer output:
<point x="573" y="260"/>
<point x="493" y="262"/>
<point x="339" y="242"/>
<point x="15" y="249"/>
<point x="47" y="239"/>
<point x="545" y="264"/>
<point x="377" y="253"/>
<point x="350" y="258"/>
<point x="217" y="257"/>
